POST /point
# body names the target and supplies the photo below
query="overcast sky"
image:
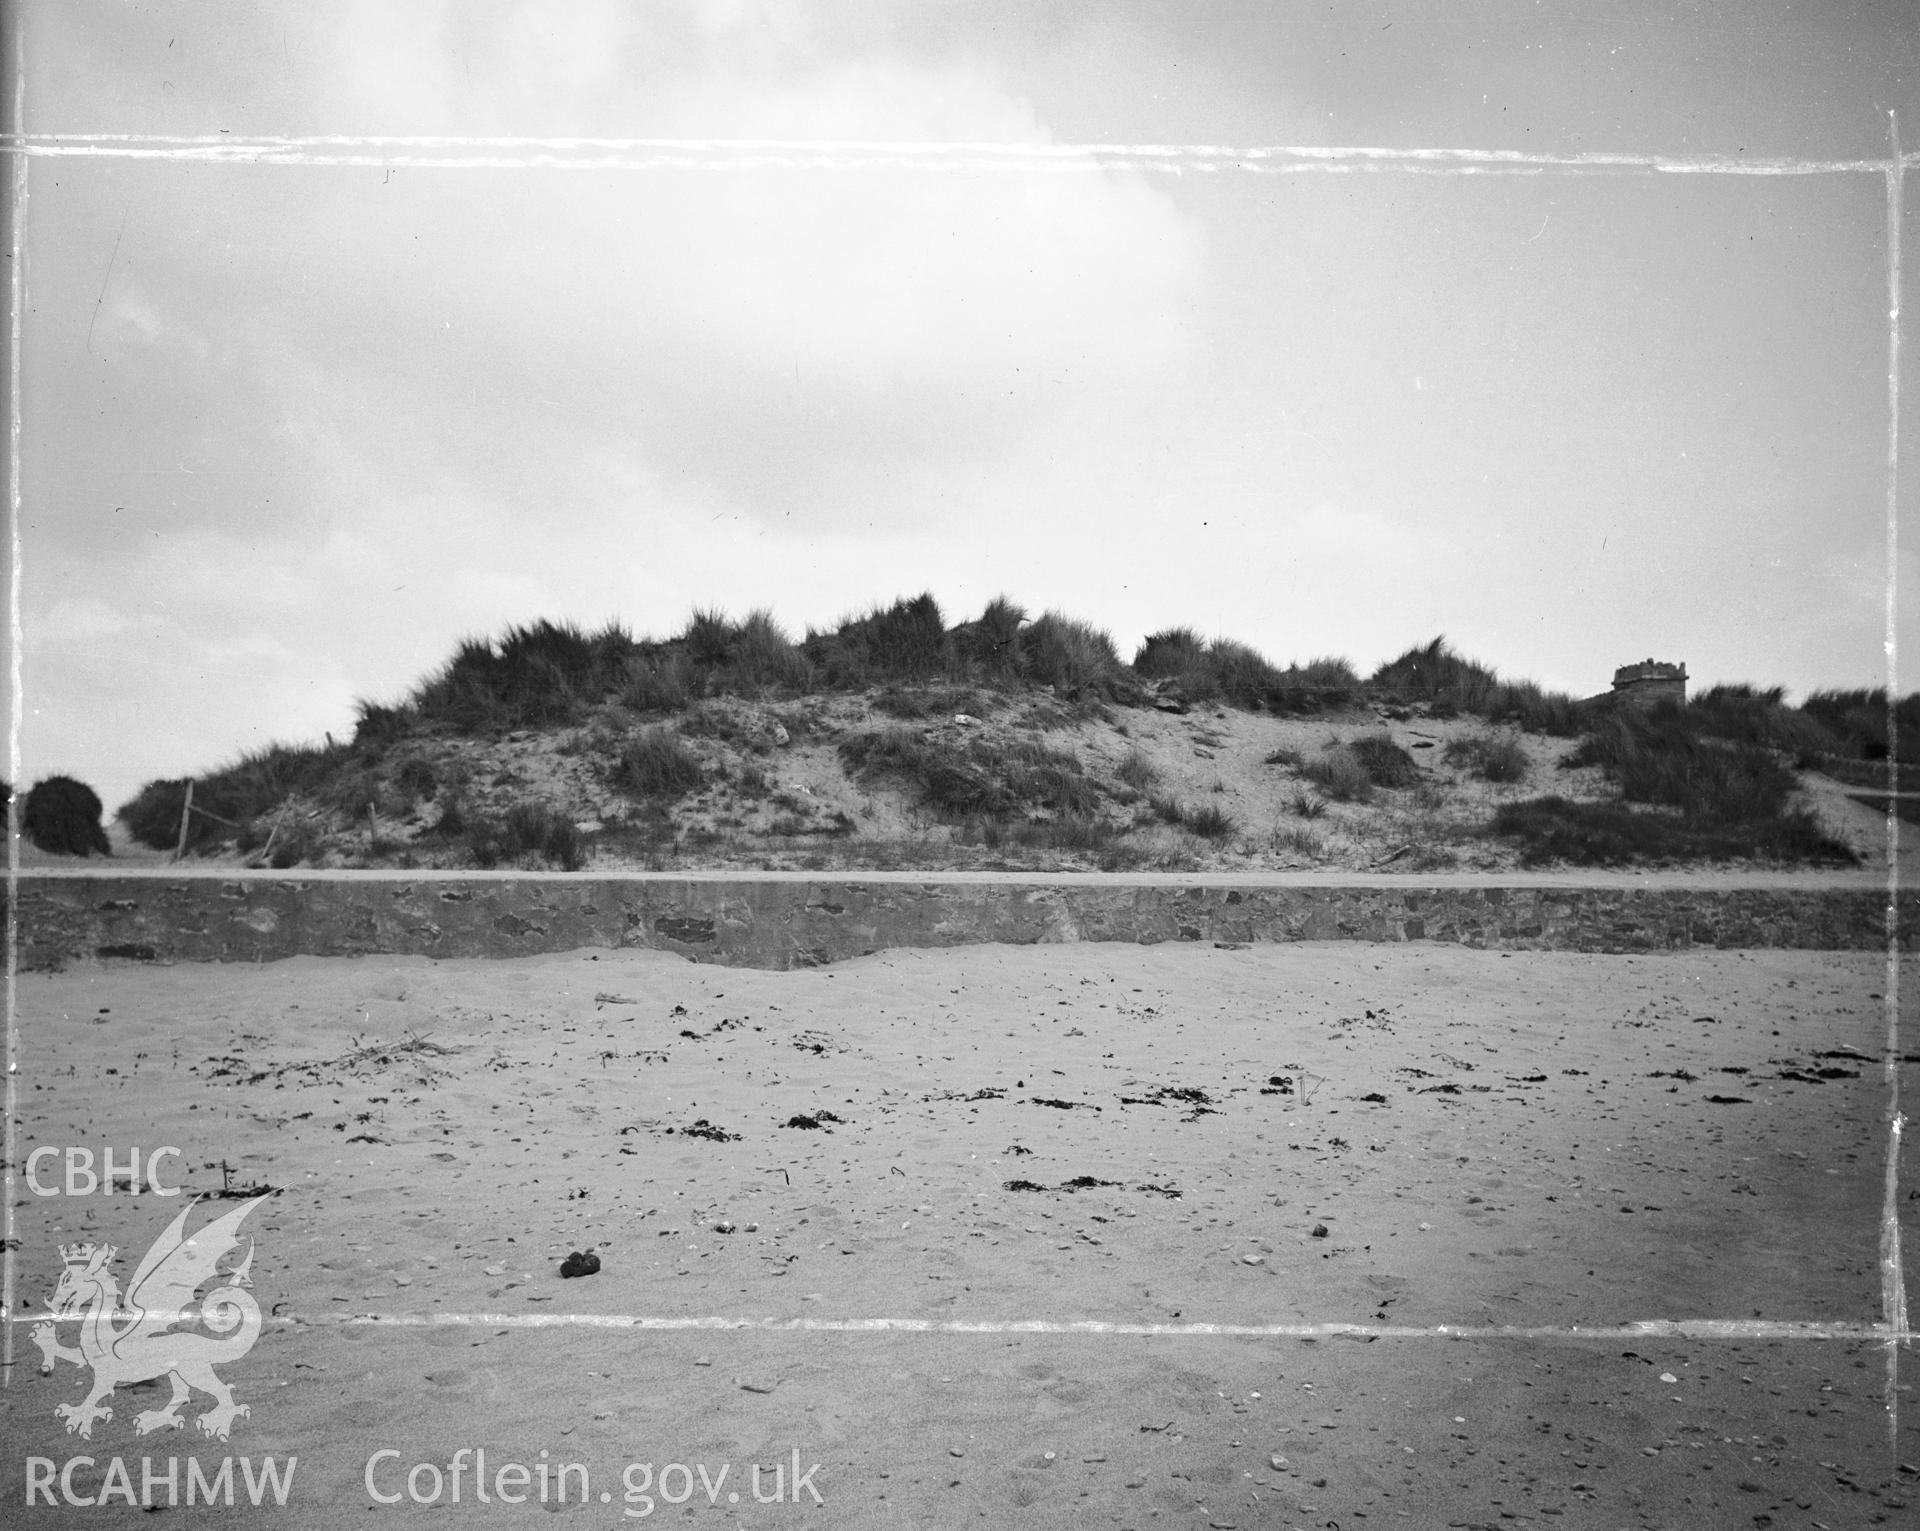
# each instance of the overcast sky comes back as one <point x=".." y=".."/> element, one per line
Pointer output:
<point x="291" y="430"/>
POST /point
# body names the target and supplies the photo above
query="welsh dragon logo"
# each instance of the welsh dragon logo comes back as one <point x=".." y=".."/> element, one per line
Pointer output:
<point x="137" y="1340"/>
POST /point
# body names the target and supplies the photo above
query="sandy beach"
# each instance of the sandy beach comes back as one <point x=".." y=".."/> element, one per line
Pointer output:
<point x="1028" y="1235"/>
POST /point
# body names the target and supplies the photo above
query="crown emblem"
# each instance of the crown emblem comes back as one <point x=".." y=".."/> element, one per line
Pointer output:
<point x="80" y="1254"/>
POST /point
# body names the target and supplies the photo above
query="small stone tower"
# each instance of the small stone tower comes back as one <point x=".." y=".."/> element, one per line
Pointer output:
<point x="1649" y="682"/>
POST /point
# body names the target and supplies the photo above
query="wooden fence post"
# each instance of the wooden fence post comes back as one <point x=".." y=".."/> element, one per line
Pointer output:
<point x="186" y="816"/>
<point x="266" y="851"/>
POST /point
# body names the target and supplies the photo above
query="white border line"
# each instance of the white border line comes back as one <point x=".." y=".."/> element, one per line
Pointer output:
<point x="16" y="697"/>
<point x="975" y="158"/>
<point x="1652" y="1328"/>
<point x="1893" y="1286"/>
<point x="577" y="153"/>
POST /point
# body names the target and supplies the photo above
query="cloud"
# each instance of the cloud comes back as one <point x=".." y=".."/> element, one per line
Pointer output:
<point x="78" y="621"/>
<point x="343" y="416"/>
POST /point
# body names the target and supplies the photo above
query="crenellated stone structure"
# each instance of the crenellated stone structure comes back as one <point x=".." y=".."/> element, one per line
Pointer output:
<point x="1650" y="682"/>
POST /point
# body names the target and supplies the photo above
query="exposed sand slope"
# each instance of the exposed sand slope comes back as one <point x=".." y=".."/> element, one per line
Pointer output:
<point x="777" y="792"/>
<point x="1546" y="1152"/>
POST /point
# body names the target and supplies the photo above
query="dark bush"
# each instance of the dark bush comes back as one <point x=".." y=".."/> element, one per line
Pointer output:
<point x="62" y="816"/>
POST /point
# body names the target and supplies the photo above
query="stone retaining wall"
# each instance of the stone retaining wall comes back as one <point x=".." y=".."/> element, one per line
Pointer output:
<point x="784" y="923"/>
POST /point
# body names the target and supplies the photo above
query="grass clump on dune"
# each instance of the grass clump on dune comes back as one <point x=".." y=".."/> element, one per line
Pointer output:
<point x="1750" y="715"/>
<point x="527" y="829"/>
<point x="1137" y="771"/>
<point x="655" y="764"/>
<point x="1211" y="822"/>
<point x="985" y="779"/>
<point x="1662" y="758"/>
<point x="993" y="646"/>
<point x="1386" y="764"/>
<point x="1074" y="658"/>
<point x="1705" y="797"/>
<point x="1228" y="671"/>
<point x="1171" y="654"/>
<point x="1858" y="720"/>
<point x="552" y="674"/>
<point x="664" y="682"/>
<point x="1553" y="829"/>
<point x="543" y="675"/>
<point x="1491" y="757"/>
<point x="1079" y="832"/>
<point x="1339" y="773"/>
<point x="750" y="658"/>
<point x="1435" y="675"/>
<point x="905" y="641"/>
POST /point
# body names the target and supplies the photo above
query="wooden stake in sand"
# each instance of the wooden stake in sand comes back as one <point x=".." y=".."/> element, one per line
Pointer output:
<point x="186" y="818"/>
<point x="266" y="851"/>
